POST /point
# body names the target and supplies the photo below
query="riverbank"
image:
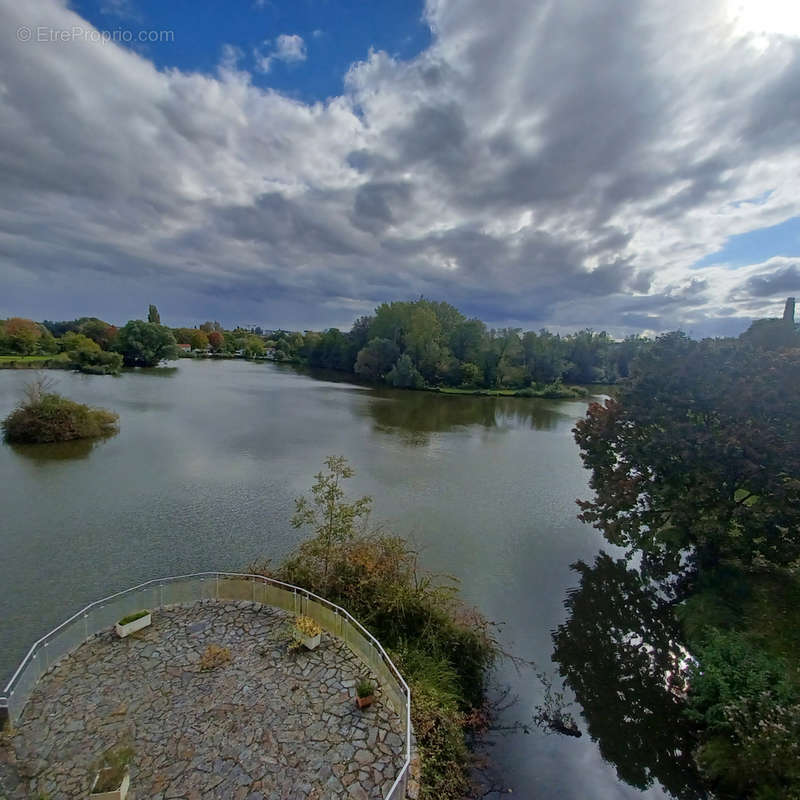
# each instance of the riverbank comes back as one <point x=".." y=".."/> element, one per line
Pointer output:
<point x="553" y="391"/>
<point x="33" y="362"/>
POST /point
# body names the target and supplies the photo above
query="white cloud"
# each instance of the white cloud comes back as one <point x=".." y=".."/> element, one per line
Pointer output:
<point x="289" y="48"/>
<point x="561" y="167"/>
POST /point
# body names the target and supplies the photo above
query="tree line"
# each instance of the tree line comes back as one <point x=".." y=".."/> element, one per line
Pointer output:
<point x="412" y="344"/>
<point x="406" y="344"/>
<point x="92" y="345"/>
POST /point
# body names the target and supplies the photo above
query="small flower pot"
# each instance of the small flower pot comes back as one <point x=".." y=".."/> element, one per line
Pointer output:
<point x="364" y="702"/>
<point x="120" y="793"/>
<point x="309" y="642"/>
<point x="132" y="627"/>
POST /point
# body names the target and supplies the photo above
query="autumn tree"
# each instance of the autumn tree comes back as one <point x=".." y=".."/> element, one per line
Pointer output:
<point x="216" y="339"/>
<point x="22" y="335"/>
<point x="199" y="340"/>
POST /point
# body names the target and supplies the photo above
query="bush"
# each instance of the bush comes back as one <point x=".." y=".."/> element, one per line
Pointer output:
<point x="443" y="648"/>
<point x="49" y="417"/>
<point x="751" y="714"/>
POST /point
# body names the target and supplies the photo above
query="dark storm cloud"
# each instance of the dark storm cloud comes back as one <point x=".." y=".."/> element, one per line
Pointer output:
<point x="556" y="163"/>
<point x="784" y="281"/>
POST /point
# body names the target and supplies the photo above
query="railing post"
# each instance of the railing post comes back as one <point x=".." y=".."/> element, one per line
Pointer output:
<point x="5" y="718"/>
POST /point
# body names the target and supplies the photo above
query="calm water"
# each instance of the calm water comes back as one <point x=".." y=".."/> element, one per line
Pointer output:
<point x="203" y="474"/>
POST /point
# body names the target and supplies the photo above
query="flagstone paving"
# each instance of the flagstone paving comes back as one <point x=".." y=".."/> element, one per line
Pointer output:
<point x="270" y="724"/>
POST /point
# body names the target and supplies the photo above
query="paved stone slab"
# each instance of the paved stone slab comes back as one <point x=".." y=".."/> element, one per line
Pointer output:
<point x="268" y="724"/>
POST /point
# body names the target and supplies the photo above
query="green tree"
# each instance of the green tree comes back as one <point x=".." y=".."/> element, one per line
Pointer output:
<point x="333" y="520"/>
<point x="376" y="359"/>
<point x="404" y="375"/>
<point x="471" y="375"/>
<point x="699" y="452"/>
<point x="467" y="339"/>
<point x="145" y="344"/>
<point x="253" y="346"/>
<point x="771" y="334"/>
<point x="153" y="315"/>
<point x="199" y="340"/>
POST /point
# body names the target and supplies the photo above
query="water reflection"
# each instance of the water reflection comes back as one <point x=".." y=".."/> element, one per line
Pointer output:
<point x="614" y="651"/>
<point x="59" y="451"/>
<point x="154" y="372"/>
<point x="415" y="415"/>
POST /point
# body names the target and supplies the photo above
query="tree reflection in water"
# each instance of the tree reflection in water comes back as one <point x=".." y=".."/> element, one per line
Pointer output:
<point x="416" y="415"/>
<point x="614" y="651"/>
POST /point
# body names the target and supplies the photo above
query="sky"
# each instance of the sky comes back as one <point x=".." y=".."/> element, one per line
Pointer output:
<point x="628" y="167"/>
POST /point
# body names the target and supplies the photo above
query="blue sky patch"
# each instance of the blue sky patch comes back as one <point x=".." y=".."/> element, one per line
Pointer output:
<point x="757" y="246"/>
<point x="334" y="34"/>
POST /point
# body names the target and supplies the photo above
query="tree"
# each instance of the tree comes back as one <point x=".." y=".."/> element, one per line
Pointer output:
<point x="772" y="334"/>
<point x="471" y="375"/>
<point x="199" y="340"/>
<point x="216" y="340"/>
<point x="467" y="339"/>
<point x="331" y="518"/>
<point x="544" y="356"/>
<point x="404" y="375"/>
<point x="87" y="356"/>
<point x="253" y="346"/>
<point x="145" y="344"/>
<point x="22" y="335"/>
<point x="376" y="359"/>
<point x="153" y="315"/>
<point x="699" y="454"/>
<point x="102" y="333"/>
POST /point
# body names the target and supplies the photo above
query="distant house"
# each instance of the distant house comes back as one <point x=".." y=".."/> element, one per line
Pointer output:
<point x="187" y="348"/>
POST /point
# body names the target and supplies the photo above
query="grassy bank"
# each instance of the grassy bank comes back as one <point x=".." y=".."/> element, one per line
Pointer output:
<point x="549" y="392"/>
<point x="34" y="362"/>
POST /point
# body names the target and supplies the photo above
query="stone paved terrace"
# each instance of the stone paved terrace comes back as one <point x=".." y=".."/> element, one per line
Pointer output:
<point x="269" y="724"/>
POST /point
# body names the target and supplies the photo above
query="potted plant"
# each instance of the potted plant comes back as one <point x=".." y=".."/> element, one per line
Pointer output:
<point x="307" y="632"/>
<point x="113" y="778"/>
<point x="132" y="623"/>
<point x="365" y="693"/>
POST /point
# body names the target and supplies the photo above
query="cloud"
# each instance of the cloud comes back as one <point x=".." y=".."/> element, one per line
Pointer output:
<point x="289" y="48"/>
<point x="564" y="165"/>
<point x="124" y="9"/>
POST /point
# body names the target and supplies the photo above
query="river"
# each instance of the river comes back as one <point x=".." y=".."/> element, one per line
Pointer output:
<point x="203" y="475"/>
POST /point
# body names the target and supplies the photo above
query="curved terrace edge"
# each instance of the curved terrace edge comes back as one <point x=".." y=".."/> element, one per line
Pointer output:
<point x="223" y="586"/>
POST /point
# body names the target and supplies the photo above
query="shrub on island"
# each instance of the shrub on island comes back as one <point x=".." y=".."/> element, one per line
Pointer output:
<point x="48" y="417"/>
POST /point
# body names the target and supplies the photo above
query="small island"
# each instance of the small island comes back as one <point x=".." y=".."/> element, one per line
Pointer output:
<point x="44" y="416"/>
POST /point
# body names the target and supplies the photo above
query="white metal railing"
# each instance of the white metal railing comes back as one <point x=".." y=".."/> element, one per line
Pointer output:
<point x="228" y="586"/>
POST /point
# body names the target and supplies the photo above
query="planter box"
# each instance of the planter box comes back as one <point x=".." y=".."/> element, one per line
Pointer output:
<point x="132" y="627"/>
<point x="309" y="642"/>
<point x="364" y="702"/>
<point x="117" y="794"/>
